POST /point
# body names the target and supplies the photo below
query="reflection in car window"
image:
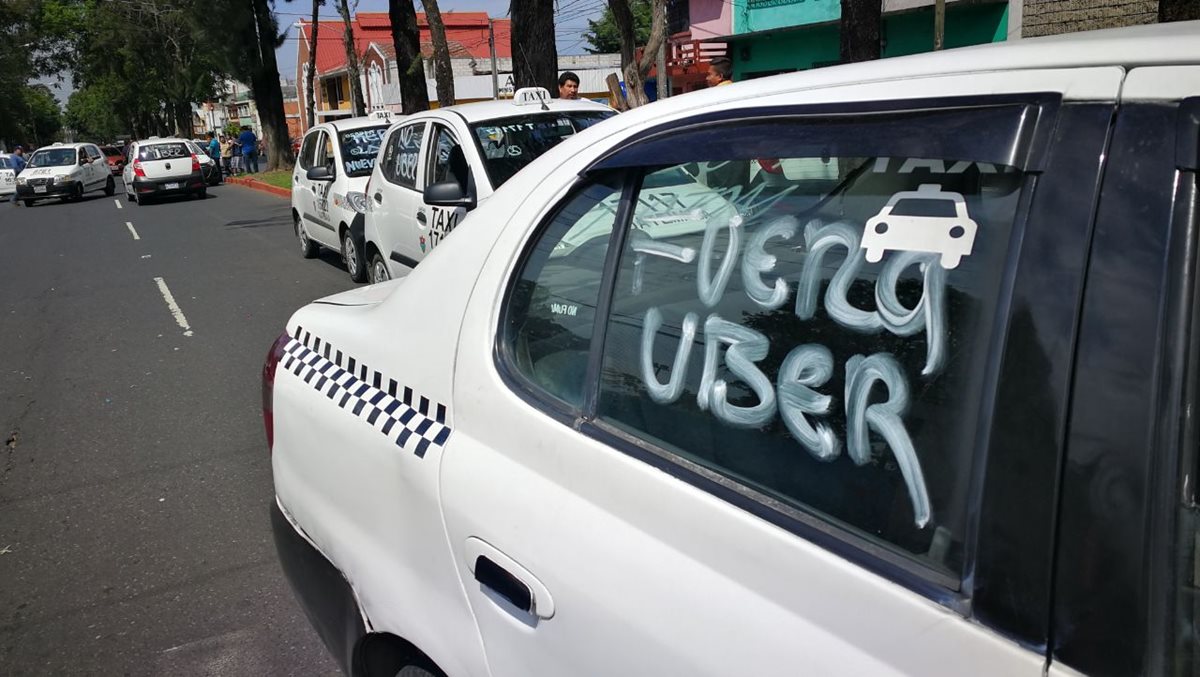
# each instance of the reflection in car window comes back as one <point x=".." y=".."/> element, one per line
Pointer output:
<point x="552" y="305"/>
<point x="509" y="144"/>
<point x="915" y="207"/>
<point x="360" y="147"/>
<point x="773" y="325"/>
<point x="5" y="163"/>
<point x="308" y="150"/>
<point x="164" y="151"/>
<point x="54" y="157"/>
<point x="440" y="166"/>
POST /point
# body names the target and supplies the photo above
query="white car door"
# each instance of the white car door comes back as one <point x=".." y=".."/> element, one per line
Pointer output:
<point x="734" y="450"/>
<point x="319" y="220"/>
<point x="445" y="161"/>
<point x="96" y="168"/>
<point x="395" y="199"/>
<point x="302" y="194"/>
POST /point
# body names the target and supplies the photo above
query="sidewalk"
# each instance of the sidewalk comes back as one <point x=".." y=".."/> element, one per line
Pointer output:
<point x="259" y="185"/>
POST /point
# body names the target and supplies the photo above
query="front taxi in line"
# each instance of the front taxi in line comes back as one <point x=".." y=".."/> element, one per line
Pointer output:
<point x="335" y="161"/>
<point x="663" y="405"/>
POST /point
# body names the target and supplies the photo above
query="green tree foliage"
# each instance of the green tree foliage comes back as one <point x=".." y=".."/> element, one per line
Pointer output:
<point x="28" y="114"/>
<point x="603" y="35"/>
<point x="91" y="113"/>
<point x="44" y="119"/>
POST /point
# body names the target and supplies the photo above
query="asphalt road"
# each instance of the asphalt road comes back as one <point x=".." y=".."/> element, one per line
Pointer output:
<point x="134" y="475"/>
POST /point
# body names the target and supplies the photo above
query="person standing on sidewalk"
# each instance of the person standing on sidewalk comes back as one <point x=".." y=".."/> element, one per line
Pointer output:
<point x="227" y="154"/>
<point x="18" y="160"/>
<point x="214" y="152"/>
<point x="249" y="149"/>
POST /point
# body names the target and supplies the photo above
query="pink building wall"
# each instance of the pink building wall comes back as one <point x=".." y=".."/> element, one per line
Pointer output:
<point x="711" y="18"/>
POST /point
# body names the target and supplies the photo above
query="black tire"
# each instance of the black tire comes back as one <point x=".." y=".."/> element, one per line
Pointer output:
<point x="143" y="200"/>
<point x="202" y="194"/>
<point x="308" y="248"/>
<point x="131" y="197"/>
<point x="29" y="203"/>
<point x="378" y="271"/>
<point x="110" y="187"/>
<point x="414" y="671"/>
<point x="352" y="256"/>
<point x="76" y="194"/>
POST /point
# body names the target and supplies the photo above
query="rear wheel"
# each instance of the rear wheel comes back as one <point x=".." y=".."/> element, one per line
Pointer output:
<point x="76" y="193"/>
<point x="110" y="187"/>
<point x="308" y="248"/>
<point x="352" y="255"/>
<point x="414" y="671"/>
<point x="28" y="203"/>
<point x="202" y="194"/>
<point x="379" y="271"/>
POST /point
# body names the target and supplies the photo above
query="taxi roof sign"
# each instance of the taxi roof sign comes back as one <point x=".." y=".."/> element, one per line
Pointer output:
<point x="527" y="96"/>
<point x="385" y="115"/>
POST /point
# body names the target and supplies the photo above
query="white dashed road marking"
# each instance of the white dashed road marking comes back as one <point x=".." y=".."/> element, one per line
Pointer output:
<point x="132" y="231"/>
<point x="172" y="306"/>
<point x="118" y="203"/>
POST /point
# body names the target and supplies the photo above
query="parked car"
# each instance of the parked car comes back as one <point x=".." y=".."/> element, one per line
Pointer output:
<point x="209" y="168"/>
<point x="163" y="168"/>
<point x="439" y="164"/>
<point x="335" y="160"/>
<point x="64" y="170"/>
<point x="611" y="427"/>
<point x="8" y="176"/>
<point x="115" y="158"/>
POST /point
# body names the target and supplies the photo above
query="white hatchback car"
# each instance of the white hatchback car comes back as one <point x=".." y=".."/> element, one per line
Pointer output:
<point x="64" y="170"/>
<point x="651" y="411"/>
<point x="335" y="161"/>
<point x="163" y="167"/>
<point x="437" y="165"/>
<point x="8" y="175"/>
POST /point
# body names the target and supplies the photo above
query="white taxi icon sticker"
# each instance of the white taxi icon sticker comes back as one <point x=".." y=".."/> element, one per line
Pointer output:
<point x="927" y="219"/>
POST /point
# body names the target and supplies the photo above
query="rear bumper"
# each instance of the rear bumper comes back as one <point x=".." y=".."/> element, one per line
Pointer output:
<point x="322" y="590"/>
<point x="183" y="185"/>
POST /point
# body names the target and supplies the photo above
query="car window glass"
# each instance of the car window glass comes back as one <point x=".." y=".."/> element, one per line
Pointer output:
<point x="54" y="157"/>
<point x="552" y="304"/>
<point x="444" y="163"/>
<point x="777" y="324"/>
<point x="308" y="151"/>
<point x="326" y="157"/>
<point x="164" y="151"/>
<point x="360" y="147"/>
<point x="509" y="144"/>
<point x="402" y="154"/>
<point x="5" y="163"/>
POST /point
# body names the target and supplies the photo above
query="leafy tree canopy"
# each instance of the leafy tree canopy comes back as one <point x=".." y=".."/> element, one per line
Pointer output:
<point x="604" y="38"/>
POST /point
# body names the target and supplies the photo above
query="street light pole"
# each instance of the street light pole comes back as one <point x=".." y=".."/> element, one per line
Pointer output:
<point x="492" y="47"/>
<point x="939" y="25"/>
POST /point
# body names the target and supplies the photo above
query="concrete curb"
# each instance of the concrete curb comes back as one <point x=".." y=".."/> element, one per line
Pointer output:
<point x="259" y="186"/>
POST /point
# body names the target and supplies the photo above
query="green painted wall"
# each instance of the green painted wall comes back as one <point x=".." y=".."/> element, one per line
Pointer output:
<point x="750" y="16"/>
<point x="908" y="33"/>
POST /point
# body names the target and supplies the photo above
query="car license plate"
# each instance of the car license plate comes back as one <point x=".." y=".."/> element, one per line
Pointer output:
<point x="39" y="189"/>
<point x="170" y="186"/>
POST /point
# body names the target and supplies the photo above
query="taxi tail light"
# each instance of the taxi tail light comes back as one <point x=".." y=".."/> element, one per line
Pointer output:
<point x="137" y="169"/>
<point x="195" y="163"/>
<point x="274" y="355"/>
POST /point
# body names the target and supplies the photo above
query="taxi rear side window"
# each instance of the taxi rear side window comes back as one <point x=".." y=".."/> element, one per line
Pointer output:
<point x="163" y="151"/>
<point x="804" y="312"/>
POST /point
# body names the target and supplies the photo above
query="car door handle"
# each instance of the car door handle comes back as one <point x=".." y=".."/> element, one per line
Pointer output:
<point x="508" y="584"/>
<point x="378" y="197"/>
<point x="421" y="218"/>
<point x="500" y="581"/>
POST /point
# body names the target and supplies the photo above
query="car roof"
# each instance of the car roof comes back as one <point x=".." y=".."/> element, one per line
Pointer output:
<point x="360" y="122"/>
<point x="165" y="139"/>
<point x="1175" y="43"/>
<point x="59" y="144"/>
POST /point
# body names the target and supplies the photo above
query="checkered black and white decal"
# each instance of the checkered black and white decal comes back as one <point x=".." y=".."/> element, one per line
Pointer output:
<point x="392" y="409"/>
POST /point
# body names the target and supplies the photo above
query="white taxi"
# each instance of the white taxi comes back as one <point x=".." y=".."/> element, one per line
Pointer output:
<point x="163" y="167"/>
<point x="8" y="175"/>
<point x="335" y="160"/>
<point x="437" y="165"/>
<point x="64" y="170"/>
<point x="654" y="409"/>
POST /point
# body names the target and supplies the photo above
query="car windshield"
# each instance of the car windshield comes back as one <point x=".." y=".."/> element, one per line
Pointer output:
<point x="55" y="157"/>
<point x="164" y="151"/>
<point x="112" y="152"/>
<point x="359" y="149"/>
<point x="508" y="144"/>
<point x="5" y="163"/>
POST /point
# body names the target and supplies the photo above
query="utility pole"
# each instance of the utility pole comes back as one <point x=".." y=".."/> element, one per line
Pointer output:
<point x="492" y="47"/>
<point x="939" y="25"/>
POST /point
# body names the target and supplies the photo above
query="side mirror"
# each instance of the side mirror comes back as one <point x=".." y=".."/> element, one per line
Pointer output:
<point x="448" y="194"/>
<point x="320" y="173"/>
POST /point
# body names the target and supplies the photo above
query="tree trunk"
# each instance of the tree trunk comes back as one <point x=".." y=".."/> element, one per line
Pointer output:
<point x="406" y="38"/>
<point x="861" y="26"/>
<point x="634" y="69"/>
<point x="267" y="93"/>
<point x="535" y="56"/>
<point x="310" y="94"/>
<point x="443" y="71"/>
<point x="1178" y="10"/>
<point x="356" y="94"/>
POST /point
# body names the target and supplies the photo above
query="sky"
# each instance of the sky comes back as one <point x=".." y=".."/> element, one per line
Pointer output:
<point x="570" y="21"/>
